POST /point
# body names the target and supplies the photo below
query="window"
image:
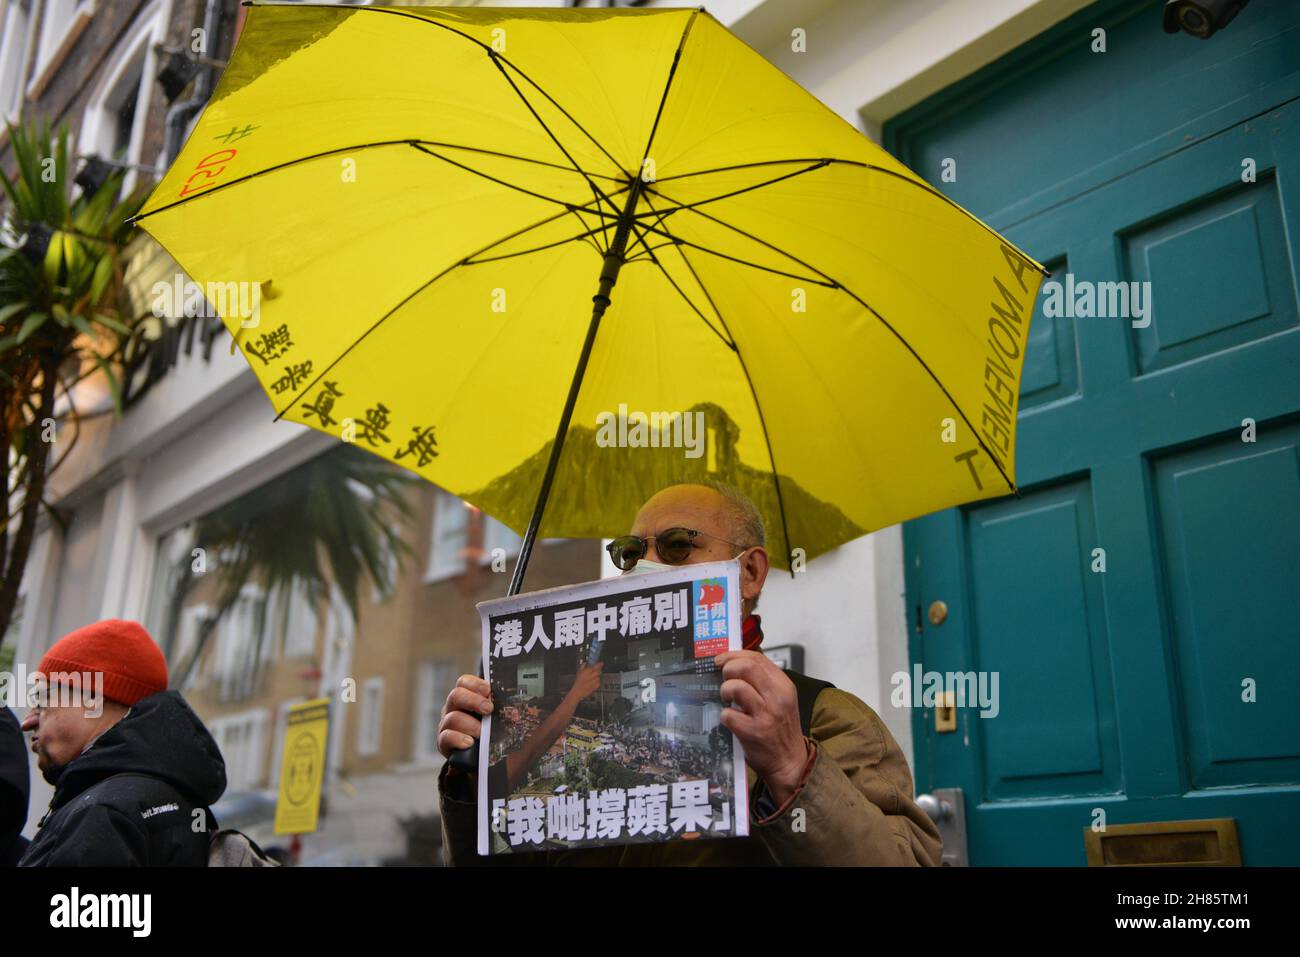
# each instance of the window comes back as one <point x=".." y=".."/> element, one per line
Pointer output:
<point x="392" y="569"/>
<point x="242" y="741"/>
<point x="277" y="752"/>
<point x="58" y="20"/>
<point x="372" y="712"/>
<point x="14" y="33"/>
<point x="193" y="618"/>
<point x="113" y="122"/>
<point x="300" y="620"/>
<point x="123" y="117"/>
<point x="450" y="537"/>
<point x="496" y="535"/>
<point x="437" y="678"/>
<point x="240" y="635"/>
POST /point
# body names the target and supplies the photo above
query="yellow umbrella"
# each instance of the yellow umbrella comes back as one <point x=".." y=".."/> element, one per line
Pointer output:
<point x="404" y="216"/>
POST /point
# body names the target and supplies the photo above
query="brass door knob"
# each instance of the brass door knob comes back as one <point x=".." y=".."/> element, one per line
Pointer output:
<point x="938" y="612"/>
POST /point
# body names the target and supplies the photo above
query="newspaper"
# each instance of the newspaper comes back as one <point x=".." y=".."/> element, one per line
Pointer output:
<point x="606" y="727"/>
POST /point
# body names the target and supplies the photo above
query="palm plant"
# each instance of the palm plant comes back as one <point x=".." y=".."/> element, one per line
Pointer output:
<point x="64" y="316"/>
<point x="333" y="521"/>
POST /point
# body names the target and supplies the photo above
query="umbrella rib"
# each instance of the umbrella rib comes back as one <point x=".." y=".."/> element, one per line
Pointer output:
<point x="817" y="164"/>
<point x="658" y="223"/>
<point x="871" y="167"/>
<point x="525" y="159"/>
<point x="602" y="228"/>
<point x="757" y="163"/>
<point x="907" y="345"/>
<point x="485" y="47"/>
<point x="469" y="261"/>
<point x="502" y="182"/>
<point x="677" y="240"/>
<point x="595" y="190"/>
<point x="681" y="292"/>
<point x="672" y="72"/>
<point x="642" y="257"/>
<point x="342" y="149"/>
<point x="407" y="298"/>
<point x="521" y="159"/>
<point x="758" y="407"/>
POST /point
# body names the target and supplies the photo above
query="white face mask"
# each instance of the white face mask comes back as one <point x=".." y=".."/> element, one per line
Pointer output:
<point x="647" y="566"/>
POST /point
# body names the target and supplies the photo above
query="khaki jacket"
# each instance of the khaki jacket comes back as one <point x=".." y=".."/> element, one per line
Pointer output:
<point x="855" y="808"/>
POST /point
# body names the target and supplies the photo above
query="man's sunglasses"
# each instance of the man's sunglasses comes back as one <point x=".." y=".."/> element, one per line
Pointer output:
<point x="674" y="546"/>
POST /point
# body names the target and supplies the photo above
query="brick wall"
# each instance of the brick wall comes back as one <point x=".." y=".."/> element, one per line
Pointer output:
<point x="74" y="76"/>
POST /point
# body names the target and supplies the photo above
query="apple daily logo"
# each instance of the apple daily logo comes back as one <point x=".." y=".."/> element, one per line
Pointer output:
<point x="133" y="911"/>
<point x="657" y="430"/>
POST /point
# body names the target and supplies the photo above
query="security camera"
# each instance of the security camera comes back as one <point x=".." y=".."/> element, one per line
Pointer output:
<point x="1200" y="18"/>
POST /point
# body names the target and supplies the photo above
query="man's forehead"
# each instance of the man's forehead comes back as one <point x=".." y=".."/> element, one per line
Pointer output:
<point x="696" y="506"/>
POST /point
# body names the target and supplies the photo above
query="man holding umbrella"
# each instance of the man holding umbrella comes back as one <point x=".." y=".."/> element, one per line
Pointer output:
<point x="848" y="776"/>
<point x="675" y="225"/>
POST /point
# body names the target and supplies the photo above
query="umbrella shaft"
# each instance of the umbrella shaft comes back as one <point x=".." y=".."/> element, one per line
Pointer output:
<point x="467" y="759"/>
<point x="600" y="302"/>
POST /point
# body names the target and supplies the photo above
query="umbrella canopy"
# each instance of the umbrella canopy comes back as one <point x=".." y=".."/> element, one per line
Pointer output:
<point x="422" y="204"/>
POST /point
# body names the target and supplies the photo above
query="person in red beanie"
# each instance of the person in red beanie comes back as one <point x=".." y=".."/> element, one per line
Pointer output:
<point x="140" y="764"/>
<point x="113" y="664"/>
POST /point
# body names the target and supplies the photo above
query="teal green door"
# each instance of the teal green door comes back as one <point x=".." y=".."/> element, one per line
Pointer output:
<point x="1140" y="600"/>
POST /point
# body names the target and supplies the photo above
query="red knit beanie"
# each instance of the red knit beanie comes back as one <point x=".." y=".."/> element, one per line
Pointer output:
<point x="130" y="660"/>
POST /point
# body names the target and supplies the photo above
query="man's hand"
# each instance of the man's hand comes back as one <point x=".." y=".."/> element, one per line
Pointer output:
<point x="460" y="726"/>
<point x="767" y="722"/>
<point x="586" y="682"/>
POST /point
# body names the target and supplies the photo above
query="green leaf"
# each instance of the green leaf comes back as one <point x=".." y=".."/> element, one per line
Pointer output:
<point x="31" y="324"/>
<point x="80" y="324"/>
<point x="103" y="274"/>
<point x="63" y="176"/>
<point x="61" y="314"/>
<point x="54" y="257"/>
<point x="114" y="386"/>
<point x="104" y="319"/>
<point x="72" y="254"/>
<point x="10" y="309"/>
<point x="9" y="187"/>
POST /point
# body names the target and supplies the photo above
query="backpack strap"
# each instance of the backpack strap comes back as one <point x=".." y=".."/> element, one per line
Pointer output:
<point x="808" y="690"/>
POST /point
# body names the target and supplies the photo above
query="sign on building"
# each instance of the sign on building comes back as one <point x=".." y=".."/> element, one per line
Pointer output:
<point x="302" y="769"/>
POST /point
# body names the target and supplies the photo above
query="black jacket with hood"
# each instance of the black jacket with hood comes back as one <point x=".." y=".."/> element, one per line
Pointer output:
<point x="14" y="789"/>
<point x="130" y="798"/>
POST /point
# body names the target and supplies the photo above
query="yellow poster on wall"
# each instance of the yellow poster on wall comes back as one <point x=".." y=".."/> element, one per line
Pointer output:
<point x="302" y="769"/>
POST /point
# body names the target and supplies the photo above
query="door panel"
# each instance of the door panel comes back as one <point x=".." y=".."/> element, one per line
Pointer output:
<point x="1137" y="599"/>
<point x="1051" y="369"/>
<point x="1199" y="313"/>
<point x="1232" y="564"/>
<point x="1043" y="739"/>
